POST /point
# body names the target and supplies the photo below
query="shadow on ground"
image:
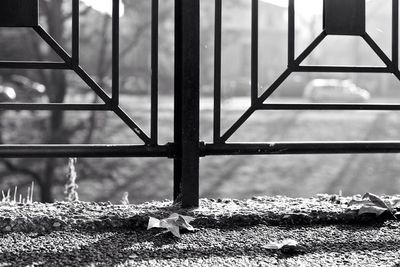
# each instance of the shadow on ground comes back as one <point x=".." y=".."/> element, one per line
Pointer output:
<point x="137" y="247"/>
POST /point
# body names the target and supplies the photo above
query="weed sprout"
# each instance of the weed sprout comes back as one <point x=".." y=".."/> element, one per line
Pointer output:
<point x="71" y="187"/>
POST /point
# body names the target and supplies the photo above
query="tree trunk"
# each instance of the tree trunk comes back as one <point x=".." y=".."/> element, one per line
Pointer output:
<point x="56" y="90"/>
<point x="46" y="194"/>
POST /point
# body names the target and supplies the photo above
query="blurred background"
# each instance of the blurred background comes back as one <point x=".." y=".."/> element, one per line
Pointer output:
<point x="232" y="176"/>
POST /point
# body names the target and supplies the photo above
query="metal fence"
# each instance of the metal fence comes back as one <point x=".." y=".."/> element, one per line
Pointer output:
<point x="186" y="148"/>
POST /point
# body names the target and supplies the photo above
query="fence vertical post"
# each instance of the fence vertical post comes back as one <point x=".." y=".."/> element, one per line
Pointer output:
<point x="186" y="102"/>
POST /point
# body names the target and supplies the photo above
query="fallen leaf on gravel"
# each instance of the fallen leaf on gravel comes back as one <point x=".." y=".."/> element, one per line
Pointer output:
<point x="373" y="204"/>
<point x="153" y="223"/>
<point x="279" y="245"/>
<point x="354" y="202"/>
<point x="371" y="209"/>
<point x="288" y="246"/>
<point x="378" y="201"/>
<point x="273" y="245"/>
<point x="395" y="202"/>
<point x="172" y="223"/>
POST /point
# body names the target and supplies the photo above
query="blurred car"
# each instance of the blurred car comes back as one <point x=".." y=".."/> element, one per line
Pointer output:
<point x="333" y="90"/>
<point x="26" y="90"/>
<point x="7" y="94"/>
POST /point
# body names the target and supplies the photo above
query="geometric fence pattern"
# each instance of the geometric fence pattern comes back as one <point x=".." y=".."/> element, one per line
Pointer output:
<point x="341" y="17"/>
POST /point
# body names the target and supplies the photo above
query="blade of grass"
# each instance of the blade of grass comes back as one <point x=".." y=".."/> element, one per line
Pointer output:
<point x="33" y="186"/>
<point x="15" y="194"/>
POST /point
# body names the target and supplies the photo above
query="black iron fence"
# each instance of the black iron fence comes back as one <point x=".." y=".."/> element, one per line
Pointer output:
<point x="186" y="148"/>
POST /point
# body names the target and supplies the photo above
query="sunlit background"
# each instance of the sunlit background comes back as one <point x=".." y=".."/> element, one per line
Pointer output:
<point x="231" y="176"/>
<point x="104" y="6"/>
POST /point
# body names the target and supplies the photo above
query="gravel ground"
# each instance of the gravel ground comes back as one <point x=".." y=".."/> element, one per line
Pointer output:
<point x="229" y="233"/>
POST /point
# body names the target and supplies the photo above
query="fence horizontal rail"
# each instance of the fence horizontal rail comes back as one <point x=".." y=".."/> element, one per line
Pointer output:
<point x="272" y="148"/>
<point x="85" y="151"/>
<point x="328" y="106"/>
<point x="33" y="65"/>
<point x="53" y="106"/>
<point x="341" y="69"/>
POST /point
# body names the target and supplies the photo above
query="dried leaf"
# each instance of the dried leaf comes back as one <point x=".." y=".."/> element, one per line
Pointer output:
<point x="173" y="216"/>
<point x="176" y="216"/>
<point x="279" y="245"/>
<point x="290" y="242"/>
<point x="273" y="246"/>
<point x="184" y="223"/>
<point x="153" y="223"/>
<point x="287" y="246"/>
<point x="372" y="209"/>
<point x="188" y="219"/>
<point x="358" y="202"/>
<point x="174" y="229"/>
<point x="395" y="202"/>
<point x="164" y="223"/>
<point x="377" y="201"/>
<point x="173" y="223"/>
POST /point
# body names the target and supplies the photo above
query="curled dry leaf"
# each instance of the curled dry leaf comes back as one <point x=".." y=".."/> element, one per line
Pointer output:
<point x="173" y="223"/>
<point x="279" y="245"/>
<point x="288" y="246"/>
<point x="153" y="223"/>
<point x="273" y="245"/>
<point x="373" y="204"/>
<point x="378" y="201"/>
<point x="355" y="201"/>
<point x="371" y="209"/>
<point x="395" y="202"/>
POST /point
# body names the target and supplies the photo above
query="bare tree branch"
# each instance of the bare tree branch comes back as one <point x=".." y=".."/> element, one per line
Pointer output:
<point x="83" y="12"/>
